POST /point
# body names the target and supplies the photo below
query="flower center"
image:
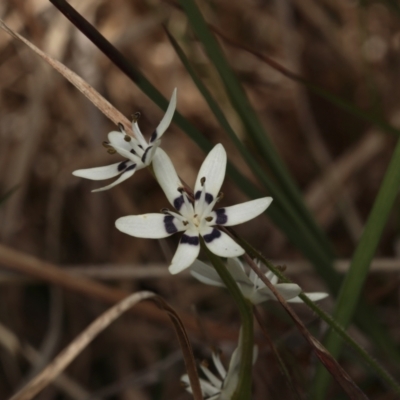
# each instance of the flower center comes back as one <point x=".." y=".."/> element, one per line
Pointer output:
<point x="196" y="220"/>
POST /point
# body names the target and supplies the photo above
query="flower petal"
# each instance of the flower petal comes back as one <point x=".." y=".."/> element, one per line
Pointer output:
<point x="215" y="381"/>
<point x="218" y="365"/>
<point x="187" y="252"/>
<point x="220" y="243"/>
<point x="236" y="269"/>
<point x="138" y="134"/>
<point x="100" y="173"/>
<point x="205" y="274"/>
<point x="287" y="290"/>
<point x="213" y="169"/>
<point x="124" y="176"/>
<point x="129" y="150"/>
<point x="167" y="177"/>
<point x="151" y="226"/>
<point x="315" y="296"/>
<point x="166" y="120"/>
<point x="148" y="155"/>
<point x="240" y="213"/>
<point x="116" y="139"/>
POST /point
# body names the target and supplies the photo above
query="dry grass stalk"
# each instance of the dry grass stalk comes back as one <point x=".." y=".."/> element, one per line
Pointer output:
<point x="72" y="351"/>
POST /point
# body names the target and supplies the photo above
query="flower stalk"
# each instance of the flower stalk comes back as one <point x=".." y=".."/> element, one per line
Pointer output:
<point x="243" y="390"/>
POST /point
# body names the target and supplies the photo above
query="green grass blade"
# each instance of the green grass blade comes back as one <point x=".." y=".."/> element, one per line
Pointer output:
<point x="352" y="285"/>
<point x="250" y="119"/>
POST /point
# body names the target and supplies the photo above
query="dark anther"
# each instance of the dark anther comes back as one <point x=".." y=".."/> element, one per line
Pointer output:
<point x="127" y="138"/>
<point x="208" y="219"/>
<point x="111" y="151"/>
<point x="136" y="116"/>
<point x="185" y="223"/>
<point x="164" y="210"/>
<point x="202" y="180"/>
<point x="181" y="189"/>
<point x="220" y="196"/>
<point x="106" y="144"/>
<point x="121" y="127"/>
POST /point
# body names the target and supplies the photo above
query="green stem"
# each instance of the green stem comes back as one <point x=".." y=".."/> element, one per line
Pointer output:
<point x="243" y="390"/>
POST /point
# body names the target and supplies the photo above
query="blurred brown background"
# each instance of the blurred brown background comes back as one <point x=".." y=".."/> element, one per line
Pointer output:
<point x="48" y="129"/>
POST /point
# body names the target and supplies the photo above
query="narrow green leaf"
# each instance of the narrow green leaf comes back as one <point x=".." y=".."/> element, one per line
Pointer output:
<point x="250" y="119"/>
<point x="351" y="289"/>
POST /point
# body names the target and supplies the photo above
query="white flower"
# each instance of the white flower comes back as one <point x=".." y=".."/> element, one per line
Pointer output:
<point x="196" y="216"/>
<point x="252" y="287"/>
<point x="224" y="386"/>
<point x="138" y="153"/>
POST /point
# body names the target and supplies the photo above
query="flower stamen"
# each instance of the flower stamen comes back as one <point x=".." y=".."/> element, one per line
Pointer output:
<point x="136" y="116"/>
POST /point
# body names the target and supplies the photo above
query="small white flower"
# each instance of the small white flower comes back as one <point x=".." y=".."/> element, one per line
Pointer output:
<point x="195" y="216"/>
<point x="252" y="287"/>
<point x="224" y="386"/>
<point x="138" y="153"/>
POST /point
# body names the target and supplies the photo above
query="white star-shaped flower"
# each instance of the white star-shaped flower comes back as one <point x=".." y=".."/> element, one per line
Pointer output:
<point x="137" y="152"/>
<point x="195" y="216"/>
<point x="224" y="386"/>
<point x="252" y="287"/>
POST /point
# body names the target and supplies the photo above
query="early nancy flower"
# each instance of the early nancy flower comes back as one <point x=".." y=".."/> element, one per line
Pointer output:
<point x="136" y="150"/>
<point x="224" y="386"/>
<point x="252" y="287"/>
<point x="195" y="216"/>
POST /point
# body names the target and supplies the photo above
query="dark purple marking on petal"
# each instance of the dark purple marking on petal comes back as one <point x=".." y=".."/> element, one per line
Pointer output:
<point x="209" y="196"/>
<point x="222" y="218"/>
<point x="153" y="136"/>
<point x="122" y="165"/>
<point x="169" y="224"/>
<point x="192" y="240"/>
<point x="178" y="202"/>
<point x="145" y="154"/>
<point x="133" y="166"/>
<point x="215" y="234"/>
